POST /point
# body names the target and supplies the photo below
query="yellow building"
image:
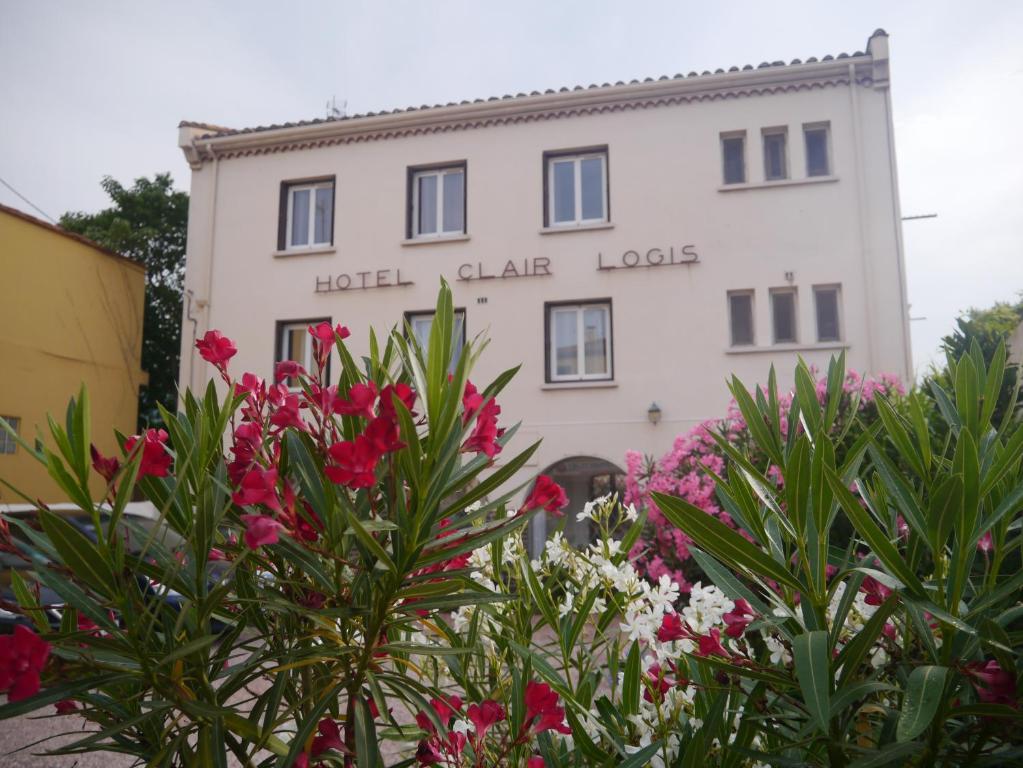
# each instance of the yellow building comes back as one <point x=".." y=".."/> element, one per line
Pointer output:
<point x="70" y="313"/>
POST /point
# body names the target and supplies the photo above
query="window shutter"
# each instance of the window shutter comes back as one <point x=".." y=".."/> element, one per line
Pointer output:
<point x="282" y="220"/>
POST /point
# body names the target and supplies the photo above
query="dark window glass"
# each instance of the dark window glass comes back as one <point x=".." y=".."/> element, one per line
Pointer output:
<point x="817" y="152"/>
<point x="783" y="310"/>
<point x="774" y="156"/>
<point x="734" y="151"/>
<point x="741" y="310"/>
<point x="826" y="300"/>
<point x="7" y="442"/>
<point x="454" y="202"/>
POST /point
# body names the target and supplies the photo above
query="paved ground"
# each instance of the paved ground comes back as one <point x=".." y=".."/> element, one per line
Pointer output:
<point x="21" y="731"/>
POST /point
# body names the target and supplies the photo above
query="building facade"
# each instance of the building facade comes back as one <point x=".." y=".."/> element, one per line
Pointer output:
<point x="71" y="314"/>
<point x="631" y="245"/>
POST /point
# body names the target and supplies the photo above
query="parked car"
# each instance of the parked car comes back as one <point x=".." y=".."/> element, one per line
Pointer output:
<point x="139" y="525"/>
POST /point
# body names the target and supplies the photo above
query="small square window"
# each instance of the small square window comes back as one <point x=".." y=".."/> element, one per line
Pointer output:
<point x="576" y="186"/>
<point x="437" y="201"/>
<point x="306" y="215"/>
<point x="295" y="343"/>
<point x="7" y="442"/>
<point x="421" y="323"/>
<point x="783" y="315"/>
<point x="826" y="306"/>
<point x="818" y="159"/>
<point x="579" y="341"/>
<point x="776" y="163"/>
<point x="740" y="316"/>
<point x="733" y="153"/>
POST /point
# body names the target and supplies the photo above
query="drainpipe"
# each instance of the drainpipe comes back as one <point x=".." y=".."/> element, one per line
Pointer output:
<point x="206" y="304"/>
<point x="861" y="207"/>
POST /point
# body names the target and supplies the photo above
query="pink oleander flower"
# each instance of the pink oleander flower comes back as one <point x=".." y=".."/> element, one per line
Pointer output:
<point x="547" y="495"/>
<point x="156" y="461"/>
<point x="287" y="369"/>
<point x="106" y="467"/>
<point x="216" y="348"/>
<point x="876" y="592"/>
<point x="993" y="684"/>
<point x="484" y="715"/>
<point x="673" y="628"/>
<point x="985" y="544"/>
<point x="329" y="737"/>
<point x="66" y="707"/>
<point x="260" y="530"/>
<point x="542" y="709"/>
<point x="259" y="486"/>
<point x="23" y="655"/>
<point x="710" y="644"/>
<point x="739" y="618"/>
<point x="361" y="398"/>
<point x="484" y="436"/>
<point x="354" y="463"/>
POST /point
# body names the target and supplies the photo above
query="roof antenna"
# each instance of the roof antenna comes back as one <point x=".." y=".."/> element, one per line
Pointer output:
<point x="334" y="112"/>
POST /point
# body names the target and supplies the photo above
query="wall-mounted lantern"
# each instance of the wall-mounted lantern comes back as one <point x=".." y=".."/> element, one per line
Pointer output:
<point x="653" y="413"/>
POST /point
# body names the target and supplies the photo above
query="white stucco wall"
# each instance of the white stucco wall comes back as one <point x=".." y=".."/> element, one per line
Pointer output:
<point x="670" y="324"/>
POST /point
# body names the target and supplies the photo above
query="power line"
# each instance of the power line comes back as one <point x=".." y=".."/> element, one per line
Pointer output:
<point x="40" y="210"/>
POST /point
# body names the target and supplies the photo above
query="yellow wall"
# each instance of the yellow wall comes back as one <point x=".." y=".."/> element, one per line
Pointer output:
<point x="69" y="314"/>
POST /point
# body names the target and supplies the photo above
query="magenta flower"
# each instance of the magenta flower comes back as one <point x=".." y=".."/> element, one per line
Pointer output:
<point x="260" y="530"/>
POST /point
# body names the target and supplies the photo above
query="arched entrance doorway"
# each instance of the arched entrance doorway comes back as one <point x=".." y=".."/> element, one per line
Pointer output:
<point x="584" y="478"/>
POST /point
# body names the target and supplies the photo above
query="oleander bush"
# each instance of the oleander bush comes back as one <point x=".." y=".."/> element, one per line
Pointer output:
<point x="346" y="584"/>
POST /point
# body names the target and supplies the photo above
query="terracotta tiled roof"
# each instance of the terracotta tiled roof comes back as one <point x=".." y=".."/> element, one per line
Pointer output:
<point x="65" y="233"/>
<point x="218" y="131"/>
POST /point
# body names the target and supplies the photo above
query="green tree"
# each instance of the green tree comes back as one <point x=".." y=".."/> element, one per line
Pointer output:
<point x="148" y="222"/>
<point x="989" y="329"/>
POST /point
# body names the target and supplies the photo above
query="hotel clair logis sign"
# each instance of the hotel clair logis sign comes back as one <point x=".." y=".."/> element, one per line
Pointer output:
<point x="537" y="266"/>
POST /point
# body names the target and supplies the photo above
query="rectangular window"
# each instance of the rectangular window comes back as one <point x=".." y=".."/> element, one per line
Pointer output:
<point x="825" y="299"/>
<point x="818" y="160"/>
<point x="776" y="164"/>
<point x="740" y="314"/>
<point x="421" y="323"/>
<point x="783" y="315"/>
<point x="306" y="215"/>
<point x="576" y="188"/>
<point x="437" y="201"/>
<point x="733" y="153"/>
<point x="579" y="341"/>
<point x="295" y="343"/>
<point x="7" y="442"/>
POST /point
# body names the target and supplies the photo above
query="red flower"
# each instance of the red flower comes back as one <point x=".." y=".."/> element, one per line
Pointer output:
<point x="287" y="414"/>
<point x="104" y="466"/>
<point x="546" y="494"/>
<point x="155" y="459"/>
<point x="260" y="530"/>
<point x="993" y="684"/>
<point x="535" y="762"/>
<point x="361" y="398"/>
<point x="542" y="710"/>
<point x="258" y="487"/>
<point x="66" y="707"/>
<point x="355" y="463"/>
<point x="877" y="592"/>
<point x="484" y="715"/>
<point x="471" y="402"/>
<point x="287" y="369"/>
<point x="710" y="645"/>
<point x="323" y="332"/>
<point x="673" y="628"/>
<point x="486" y="433"/>
<point x="739" y="618"/>
<point x="22" y="658"/>
<point x="402" y="392"/>
<point x="329" y="737"/>
<point x="216" y="348"/>
<point x="382" y="433"/>
<point x="985" y="543"/>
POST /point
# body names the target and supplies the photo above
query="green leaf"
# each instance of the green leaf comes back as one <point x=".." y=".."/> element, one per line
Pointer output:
<point x="890" y="753"/>
<point x="721" y="541"/>
<point x="78" y="553"/>
<point x="812" y="655"/>
<point x="641" y="758"/>
<point x="923" y="695"/>
<point x="367" y="753"/>
<point x="632" y="681"/>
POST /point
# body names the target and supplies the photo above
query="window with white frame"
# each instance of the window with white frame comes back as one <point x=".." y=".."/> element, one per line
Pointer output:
<point x="306" y="216"/>
<point x="826" y="299"/>
<point x="579" y="341"/>
<point x="437" y="205"/>
<point x="818" y="155"/>
<point x="733" y="156"/>
<point x="421" y="323"/>
<point x="576" y="186"/>
<point x="776" y="162"/>
<point x="783" y="315"/>
<point x="296" y="344"/>
<point x="740" y="318"/>
<point x="7" y="442"/>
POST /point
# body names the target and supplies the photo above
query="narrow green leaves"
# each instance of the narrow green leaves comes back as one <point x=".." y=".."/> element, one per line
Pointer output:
<point x="811" y="653"/>
<point x="923" y="695"/>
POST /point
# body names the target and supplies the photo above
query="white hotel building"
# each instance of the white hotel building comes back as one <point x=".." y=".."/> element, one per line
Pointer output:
<point x="629" y="244"/>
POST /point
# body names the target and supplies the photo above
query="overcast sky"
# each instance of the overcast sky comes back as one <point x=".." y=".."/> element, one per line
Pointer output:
<point x="97" y="88"/>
